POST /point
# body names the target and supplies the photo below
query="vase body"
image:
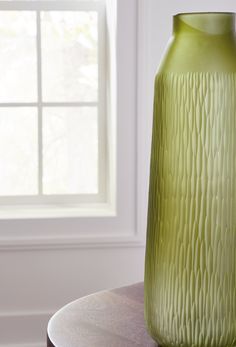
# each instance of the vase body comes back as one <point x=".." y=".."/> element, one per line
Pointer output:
<point x="190" y="267"/>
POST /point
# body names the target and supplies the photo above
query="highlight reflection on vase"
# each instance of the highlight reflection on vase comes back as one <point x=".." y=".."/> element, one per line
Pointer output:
<point x="190" y="274"/>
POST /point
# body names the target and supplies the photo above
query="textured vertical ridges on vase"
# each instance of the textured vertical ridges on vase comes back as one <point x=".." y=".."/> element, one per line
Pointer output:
<point x="190" y="271"/>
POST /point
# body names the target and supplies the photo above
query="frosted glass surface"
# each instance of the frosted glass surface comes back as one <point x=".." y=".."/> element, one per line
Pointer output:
<point x="69" y="56"/>
<point x="18" y="67"/>
<point x="18" y="151"/>
<point x="70" y="150"/>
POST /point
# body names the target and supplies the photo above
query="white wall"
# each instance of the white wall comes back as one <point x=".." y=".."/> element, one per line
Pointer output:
<point x="35" y="280"/>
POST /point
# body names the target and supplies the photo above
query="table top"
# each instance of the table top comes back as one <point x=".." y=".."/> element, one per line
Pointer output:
<point x="111" y="318"/>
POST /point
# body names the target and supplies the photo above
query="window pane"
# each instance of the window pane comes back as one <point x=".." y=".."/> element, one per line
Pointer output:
<point x="69" y="56"/>
<point x="18" y="82"/>
<point x="70" y="150"/>
<point x="18" y="151"/>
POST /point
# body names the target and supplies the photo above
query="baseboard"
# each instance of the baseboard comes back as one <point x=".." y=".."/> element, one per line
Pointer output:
<point x="24" y="329"/>
<point x="26" y="345"/>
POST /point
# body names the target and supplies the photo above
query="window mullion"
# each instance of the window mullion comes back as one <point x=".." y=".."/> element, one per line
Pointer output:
<point x="50" y="104"/>
<point x="40" y="118"/>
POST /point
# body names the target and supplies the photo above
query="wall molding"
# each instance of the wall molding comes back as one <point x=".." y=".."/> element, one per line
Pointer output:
<point x="60" y="243"/>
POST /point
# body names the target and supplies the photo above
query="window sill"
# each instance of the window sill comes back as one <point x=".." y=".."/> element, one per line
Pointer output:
<point x="57" y="211"/>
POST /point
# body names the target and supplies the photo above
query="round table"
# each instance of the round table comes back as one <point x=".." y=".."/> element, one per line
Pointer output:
<point x="111" y="318"/>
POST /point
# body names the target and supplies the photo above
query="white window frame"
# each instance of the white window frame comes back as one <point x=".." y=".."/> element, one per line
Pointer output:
<point x="57" y="205"/>
<point x="128" y="119"/>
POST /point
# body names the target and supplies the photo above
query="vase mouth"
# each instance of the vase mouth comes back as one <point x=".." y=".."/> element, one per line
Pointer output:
<point x="212" y="23"/>
<point x="204" y="13"/>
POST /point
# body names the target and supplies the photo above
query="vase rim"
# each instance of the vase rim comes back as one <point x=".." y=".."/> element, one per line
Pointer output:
<point x="204" y="13"/>
<point x="205" y="22"/>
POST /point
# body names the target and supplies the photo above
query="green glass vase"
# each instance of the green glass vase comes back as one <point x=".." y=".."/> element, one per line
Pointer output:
<point x="190" y="268"/>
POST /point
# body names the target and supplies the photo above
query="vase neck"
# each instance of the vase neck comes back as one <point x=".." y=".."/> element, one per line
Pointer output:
<point x="206" y="23"/>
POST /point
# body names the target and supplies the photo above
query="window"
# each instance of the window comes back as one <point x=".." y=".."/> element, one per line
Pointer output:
<point x="120" y="220"/>
<point x="52" y="103"/>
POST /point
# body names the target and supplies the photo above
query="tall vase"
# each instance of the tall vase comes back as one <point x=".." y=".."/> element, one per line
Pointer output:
<point x="190" y="269"/>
